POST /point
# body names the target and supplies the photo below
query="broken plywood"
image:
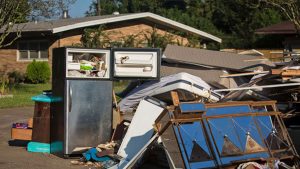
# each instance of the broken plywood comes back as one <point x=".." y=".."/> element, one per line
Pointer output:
<point x="140" y="129"/>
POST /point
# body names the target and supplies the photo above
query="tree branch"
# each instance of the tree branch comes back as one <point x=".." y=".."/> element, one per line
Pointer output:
<point x="289" y="7"/>
<point x="9" y="16"/>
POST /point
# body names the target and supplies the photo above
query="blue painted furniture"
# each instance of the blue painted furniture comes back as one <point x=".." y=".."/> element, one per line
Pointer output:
<point x="223" y="134"/>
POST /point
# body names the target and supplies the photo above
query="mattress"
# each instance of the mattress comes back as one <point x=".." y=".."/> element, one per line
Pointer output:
<point x="189" y="88"/>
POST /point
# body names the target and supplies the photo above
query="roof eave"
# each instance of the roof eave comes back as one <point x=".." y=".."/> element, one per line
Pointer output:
<point x="185" y="27"/>
<point x="275" y="32"/>
<point x="167" y="21"/>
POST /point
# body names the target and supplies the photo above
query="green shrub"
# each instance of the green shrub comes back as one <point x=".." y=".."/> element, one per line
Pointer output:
<point x="38" y="72"/>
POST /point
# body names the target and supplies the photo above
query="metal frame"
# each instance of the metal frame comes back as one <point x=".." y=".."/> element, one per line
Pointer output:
<point x="177" y="118"/>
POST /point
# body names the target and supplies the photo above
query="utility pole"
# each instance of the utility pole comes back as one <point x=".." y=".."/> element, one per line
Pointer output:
<point x="98" y="8"/>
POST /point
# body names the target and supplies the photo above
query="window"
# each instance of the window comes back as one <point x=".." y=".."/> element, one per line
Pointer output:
<point x="29" y="50"/>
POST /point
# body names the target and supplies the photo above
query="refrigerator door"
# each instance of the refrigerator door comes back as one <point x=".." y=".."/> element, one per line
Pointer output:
<point x="88" y="114"/>
<point x="88" y="63"/>
<point x="136" y="63"/>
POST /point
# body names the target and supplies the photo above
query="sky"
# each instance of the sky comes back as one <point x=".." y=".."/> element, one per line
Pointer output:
<point x="79" y="8"/>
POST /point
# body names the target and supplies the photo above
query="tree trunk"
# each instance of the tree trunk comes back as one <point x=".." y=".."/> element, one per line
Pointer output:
<point x="98" y="8"/>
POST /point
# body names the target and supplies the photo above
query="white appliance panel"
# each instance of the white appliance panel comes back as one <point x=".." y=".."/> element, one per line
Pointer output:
<point x="135" y="64"/>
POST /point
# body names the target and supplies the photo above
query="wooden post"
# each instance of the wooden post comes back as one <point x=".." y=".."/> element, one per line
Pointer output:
<point x="117" y="117"/>
<point x="175" y="98"/>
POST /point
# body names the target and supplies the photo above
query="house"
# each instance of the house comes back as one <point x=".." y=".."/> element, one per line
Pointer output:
<point x="210" y="65"/>
<point x="287" y="39"/>
<point x="39" y="38"/>
<point x="286" y="29"/>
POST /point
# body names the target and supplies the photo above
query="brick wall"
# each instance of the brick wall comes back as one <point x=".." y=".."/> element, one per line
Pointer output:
<point x="8" y="61"/>
<point x="117" y="33"/>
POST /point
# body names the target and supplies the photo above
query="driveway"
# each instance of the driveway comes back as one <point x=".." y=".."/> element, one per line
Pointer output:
<point x="12" y="157"/>
<point x="16" y="157"/>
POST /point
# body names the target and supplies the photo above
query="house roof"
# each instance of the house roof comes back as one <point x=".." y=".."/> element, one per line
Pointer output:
<point x="211" y="58"/>
<point x="286" y="27"/>
<point x="61" y="25"/>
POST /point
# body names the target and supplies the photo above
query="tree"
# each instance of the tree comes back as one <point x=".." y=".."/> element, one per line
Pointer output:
<point x="107" y="7"/>
<point x="156" y="40"/>
<point x="290" y="8"/>
<point x="238" y="20"/>
<point x="11" y="12"/>
<point x="233" y="21"/>
<point x="183" y="11"/>
<point x="95" y="38"/>
<point x="47" y="9"/>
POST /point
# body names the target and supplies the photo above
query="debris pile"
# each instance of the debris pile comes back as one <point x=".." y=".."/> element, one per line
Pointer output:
<point x="203" y="125"/>
<point x="248" y="118"/>
<point x="87" y="65"/>
<point x="101" y="156"/>
<point x="197" y="135"/>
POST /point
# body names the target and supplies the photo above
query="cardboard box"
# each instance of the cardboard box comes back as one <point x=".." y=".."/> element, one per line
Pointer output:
<point x="30" y="123"/>
<point x="21" y="134"/>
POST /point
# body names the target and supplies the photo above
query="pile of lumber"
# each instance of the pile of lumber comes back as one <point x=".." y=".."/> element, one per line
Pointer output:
<point x="286" y="74"/>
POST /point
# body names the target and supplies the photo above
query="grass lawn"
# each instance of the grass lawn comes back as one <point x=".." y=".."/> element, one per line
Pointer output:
<point x="120" y="85"/>
<point x="22" y="94"/>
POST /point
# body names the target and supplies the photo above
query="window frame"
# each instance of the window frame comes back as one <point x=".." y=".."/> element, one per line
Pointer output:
<point x="27" y="42"/>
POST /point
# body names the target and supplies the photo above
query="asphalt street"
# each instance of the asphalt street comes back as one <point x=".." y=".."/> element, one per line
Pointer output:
<point x="16" y="157"/>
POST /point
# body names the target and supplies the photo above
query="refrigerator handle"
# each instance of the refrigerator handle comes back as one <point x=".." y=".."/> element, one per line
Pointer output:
<point x="70" y="99"/>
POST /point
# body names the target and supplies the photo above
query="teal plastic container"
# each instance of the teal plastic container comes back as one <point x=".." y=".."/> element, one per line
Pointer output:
<point x="46" y="98"/>
<point x="38" y="147"/>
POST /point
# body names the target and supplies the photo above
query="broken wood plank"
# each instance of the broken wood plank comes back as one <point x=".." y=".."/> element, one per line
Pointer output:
<point x="244" y="74"/>
<point x="255" y="60"/>
<point x="276" y="71"/>
<point x="175" y="98"/>
<point x="115" y="99"/>
<point x="117" y="115"/>
<point x="290" y="73"/>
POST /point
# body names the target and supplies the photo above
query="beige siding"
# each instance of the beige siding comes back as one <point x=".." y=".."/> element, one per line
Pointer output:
<point x="116" y="34"/>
